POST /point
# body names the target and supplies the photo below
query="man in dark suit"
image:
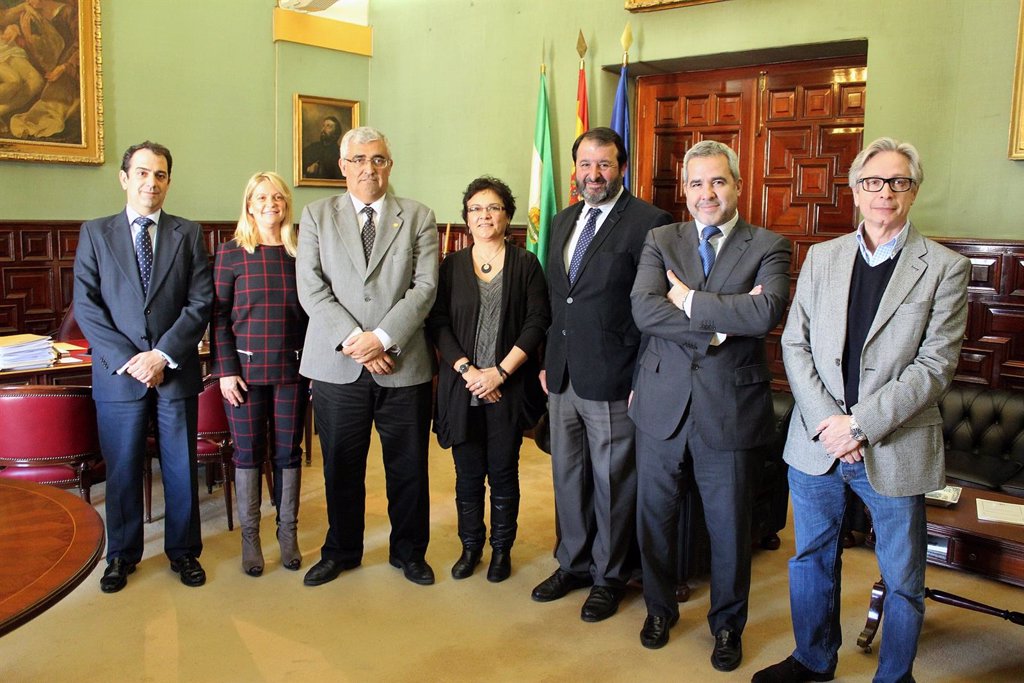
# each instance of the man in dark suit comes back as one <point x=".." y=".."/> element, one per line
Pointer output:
<point x="591" y="350"/>
<point x="143" y="294"/>
<point x="706" y="293"/>
<point x="367" y="277"/>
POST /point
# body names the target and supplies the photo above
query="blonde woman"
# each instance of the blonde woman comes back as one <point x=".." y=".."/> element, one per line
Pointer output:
<point x="258" y="329"/>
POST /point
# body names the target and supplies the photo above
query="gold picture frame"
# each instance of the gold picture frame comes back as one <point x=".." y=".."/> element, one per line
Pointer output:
<point x="1016" y="150"/>
<point x="315" y="139"/>
<point x="54" y="111"/>
<point x="654" y="5"/>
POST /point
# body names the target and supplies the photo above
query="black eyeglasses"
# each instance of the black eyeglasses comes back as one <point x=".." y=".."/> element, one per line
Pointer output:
<point x="875" y="184"/>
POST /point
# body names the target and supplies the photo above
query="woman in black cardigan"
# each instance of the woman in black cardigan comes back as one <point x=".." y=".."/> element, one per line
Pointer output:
<point x="488" y="323"/>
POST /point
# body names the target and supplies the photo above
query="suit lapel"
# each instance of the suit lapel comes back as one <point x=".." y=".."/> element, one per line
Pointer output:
<point x="685" y="263"/>
<point x="837" y="289"/>
<point x="118" y="234"/>
<point x="348" y="227"/>
<point x="389" y="224"/>
<point x="168" y="244"/>
<point x="729" y="255"/>
<point x="560" y="238"/>
<point x="606" y="229"/>
<point x="908" y="271"/>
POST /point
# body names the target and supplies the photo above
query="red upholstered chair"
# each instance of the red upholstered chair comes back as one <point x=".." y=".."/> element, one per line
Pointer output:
<point x="213" y="448"/>
<point x="49" y="436"/>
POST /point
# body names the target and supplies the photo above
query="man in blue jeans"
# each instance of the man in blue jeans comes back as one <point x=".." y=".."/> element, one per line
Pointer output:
<point x="871" y="344"/>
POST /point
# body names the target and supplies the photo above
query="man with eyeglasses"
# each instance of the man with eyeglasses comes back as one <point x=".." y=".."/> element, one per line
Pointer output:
<point x="367" y="277"/>
<point x="591" y="350"/>
<point x="871" y="344"/>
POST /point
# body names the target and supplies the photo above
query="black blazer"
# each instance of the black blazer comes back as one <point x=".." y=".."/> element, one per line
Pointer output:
<point x="592" y="337"/>
<point x="452" y="328"/>
<point x="119" y="322"/>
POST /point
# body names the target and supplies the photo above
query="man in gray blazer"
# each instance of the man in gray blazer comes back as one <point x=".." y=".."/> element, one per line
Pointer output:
<point x="367" y="275"/>
<point x="706" y="294"/>
<point x="143" y="295"/>
<point x="871" y="344"/>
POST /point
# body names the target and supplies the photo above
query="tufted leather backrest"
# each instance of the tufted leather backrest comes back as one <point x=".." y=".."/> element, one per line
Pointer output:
<point x="984" y="421"/>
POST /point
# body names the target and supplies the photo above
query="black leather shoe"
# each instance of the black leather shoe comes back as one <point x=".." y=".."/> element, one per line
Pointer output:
<point x="558" y="585"/>
<point x="192" y="573"/>
<point x="602" y="602"/>
<point x="654" y="634"/>
<point x="728" y="652"/>
<point x="464" y="566"/>
<point x="325" y="571"/>
<point x="115" y="576"/>
<point x="789" y="670"/>
<point x="417" y="571"/>
<point x="500" y="567"/>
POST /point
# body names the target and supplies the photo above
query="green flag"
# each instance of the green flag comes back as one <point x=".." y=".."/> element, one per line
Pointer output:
<point x="542" y="181"/>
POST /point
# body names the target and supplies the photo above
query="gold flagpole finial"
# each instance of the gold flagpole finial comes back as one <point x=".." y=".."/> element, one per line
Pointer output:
<point x="626" y="41"/>
<point x="581" y="45"/>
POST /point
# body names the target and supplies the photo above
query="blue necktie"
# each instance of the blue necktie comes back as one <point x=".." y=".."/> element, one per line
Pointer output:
<point x="586" y="237"/>
<point x="705" y="249"/>
<point x="144" y="252"/>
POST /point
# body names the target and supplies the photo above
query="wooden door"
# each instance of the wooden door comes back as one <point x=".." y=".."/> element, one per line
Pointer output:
<point x="795" y="126"/>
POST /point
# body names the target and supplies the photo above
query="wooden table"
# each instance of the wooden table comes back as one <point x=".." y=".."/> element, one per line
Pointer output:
<point x="959" y="540"/>
<point x="50" y="540"/>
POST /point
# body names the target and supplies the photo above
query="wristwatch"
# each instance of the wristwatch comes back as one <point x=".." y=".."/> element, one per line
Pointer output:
<point x="464" y="368"/>
<point x="856" y="433"/>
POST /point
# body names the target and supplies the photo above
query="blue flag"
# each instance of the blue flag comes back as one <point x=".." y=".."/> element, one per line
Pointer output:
<point x="620" y="117"/>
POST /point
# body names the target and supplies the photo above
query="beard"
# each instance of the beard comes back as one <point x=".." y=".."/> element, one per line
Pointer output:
<point x="601" y="194"/>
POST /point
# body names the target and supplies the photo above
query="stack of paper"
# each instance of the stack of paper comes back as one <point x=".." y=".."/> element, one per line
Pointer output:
<point x="26" y="352"/>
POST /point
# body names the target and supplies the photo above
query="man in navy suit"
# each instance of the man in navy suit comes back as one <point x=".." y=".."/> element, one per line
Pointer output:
<point x="591" y="349"/>
<point x="143" y="294"/>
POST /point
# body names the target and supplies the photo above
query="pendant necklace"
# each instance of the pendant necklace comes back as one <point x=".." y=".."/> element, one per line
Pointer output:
<point x="485" y="267"/>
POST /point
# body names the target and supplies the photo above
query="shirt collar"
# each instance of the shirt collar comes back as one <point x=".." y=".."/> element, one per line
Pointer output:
<point x="883" y="252"/>
<point x="726" y="227"/>
<point x="133" y="214"/>
<point x="377" y="205"/>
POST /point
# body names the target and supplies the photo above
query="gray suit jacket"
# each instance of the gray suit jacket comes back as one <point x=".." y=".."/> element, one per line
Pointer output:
<point x="119" y="323"/>
<point x="728" y="385"/>
<point x="908" y="361"/>
<point x="340" y="291"/>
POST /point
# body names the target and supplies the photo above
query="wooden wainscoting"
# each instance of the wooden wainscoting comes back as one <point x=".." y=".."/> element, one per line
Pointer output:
<point x="37" y="258"/>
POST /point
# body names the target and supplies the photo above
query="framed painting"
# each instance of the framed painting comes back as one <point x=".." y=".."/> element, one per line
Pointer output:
<point x="1017" y="107"/>
<point x="51" y="90"/>
<point x="652" y="5"/>
<point x="319" y="123"/>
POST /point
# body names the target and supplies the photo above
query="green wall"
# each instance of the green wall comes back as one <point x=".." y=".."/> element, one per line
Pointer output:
<point x="454" y="85"/>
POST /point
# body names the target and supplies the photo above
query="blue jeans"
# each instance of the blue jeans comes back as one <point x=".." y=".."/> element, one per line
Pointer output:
<point x="819" y="504"/>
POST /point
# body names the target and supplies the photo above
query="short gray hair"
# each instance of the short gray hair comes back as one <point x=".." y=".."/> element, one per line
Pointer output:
<point x="362" y="136"/>
<point x="880" y="145"/>
<point x="712" y="148"/>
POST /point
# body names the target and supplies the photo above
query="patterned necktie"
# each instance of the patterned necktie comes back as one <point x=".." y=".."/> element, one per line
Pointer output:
<point x="368" y="232"/>
<point x="144" y="252"/>
<point x="586" y="237"/>
<point x="705" y="249"/>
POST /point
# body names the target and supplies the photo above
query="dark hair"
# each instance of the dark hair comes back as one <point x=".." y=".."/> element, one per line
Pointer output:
<point x="335" y="119"/>
<point x="154" y="147"/>
<point x="486" y="182"/>
<point x="603" y="136"/>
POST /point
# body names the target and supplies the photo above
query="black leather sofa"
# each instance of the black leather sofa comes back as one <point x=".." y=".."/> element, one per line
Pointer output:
<point x="984" y="434"/>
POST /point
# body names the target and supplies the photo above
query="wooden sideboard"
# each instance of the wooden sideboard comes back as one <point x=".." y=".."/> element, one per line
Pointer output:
<point x="36" y="283"/>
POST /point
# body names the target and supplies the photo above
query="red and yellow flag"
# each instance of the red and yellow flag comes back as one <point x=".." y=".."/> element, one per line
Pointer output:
<point x="582" y="115"/>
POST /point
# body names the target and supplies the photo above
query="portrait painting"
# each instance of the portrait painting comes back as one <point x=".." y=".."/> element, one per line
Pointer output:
<point x="319" y="124"/>
<point x="50" y="84"/>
